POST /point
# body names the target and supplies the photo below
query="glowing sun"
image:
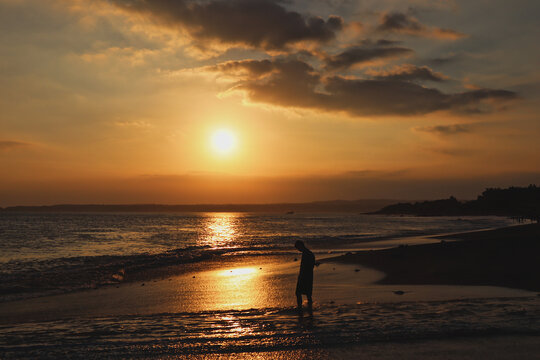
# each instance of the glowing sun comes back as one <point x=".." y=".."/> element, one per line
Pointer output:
<point x="223" y="141"/>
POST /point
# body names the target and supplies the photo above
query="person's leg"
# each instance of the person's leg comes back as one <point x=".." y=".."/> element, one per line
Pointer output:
<point x="310" y="302"/>
<point x="299" y="300"/>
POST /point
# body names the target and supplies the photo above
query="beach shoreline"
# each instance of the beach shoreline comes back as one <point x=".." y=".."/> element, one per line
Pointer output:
<point x="504" y="257"/>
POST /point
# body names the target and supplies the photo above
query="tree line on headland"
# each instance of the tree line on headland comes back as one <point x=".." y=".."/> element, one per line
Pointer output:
<point x="519" y="202"/>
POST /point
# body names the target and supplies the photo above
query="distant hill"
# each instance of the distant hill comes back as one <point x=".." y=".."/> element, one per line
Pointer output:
<point x="514" y="201"/>
<point x="361" y="206"/>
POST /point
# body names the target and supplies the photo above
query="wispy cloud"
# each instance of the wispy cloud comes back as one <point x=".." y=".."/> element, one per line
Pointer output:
<point x="365" y="53"/>
<point x="446" y="60"/>
<point x="445" y="130"/>
<point x="450" y="151"/>
<point x="12" y="144"/>
<point x="402" y="23"/>
<point x="408" y="72"/>
<point x="139" y="124"/>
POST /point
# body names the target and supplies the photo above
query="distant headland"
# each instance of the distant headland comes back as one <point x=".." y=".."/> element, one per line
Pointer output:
<point x="518" y="202"/>
<point x="358" y="206"/>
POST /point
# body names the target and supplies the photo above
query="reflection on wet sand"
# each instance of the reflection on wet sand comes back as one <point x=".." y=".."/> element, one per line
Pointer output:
<point x="238" y="287"/>
<point x="229" y="288"/>
<point x="238" y="272"/>
<point x="233" y="284"/>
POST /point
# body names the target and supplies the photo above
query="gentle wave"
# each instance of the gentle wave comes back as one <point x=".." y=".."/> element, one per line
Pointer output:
<point x="78" y="273"/>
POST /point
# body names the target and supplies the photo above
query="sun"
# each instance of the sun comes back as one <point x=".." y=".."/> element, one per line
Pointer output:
<point x="223" y="141"/>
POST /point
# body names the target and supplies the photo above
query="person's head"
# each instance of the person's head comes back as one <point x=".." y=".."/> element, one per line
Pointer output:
<point x="299" y="245"/>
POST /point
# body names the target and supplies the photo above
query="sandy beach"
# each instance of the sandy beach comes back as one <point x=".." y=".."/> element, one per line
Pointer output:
<point x="505" y="257"/>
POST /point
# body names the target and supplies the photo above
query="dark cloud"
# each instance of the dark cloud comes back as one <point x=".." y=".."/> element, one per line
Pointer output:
<point x="256" y="23"/>
<point x="453" y="129"/>
<point x="11" y="144"/>
<point x="409" y="72"/>
<point x="365" y="53"/>
<point x="405" y="24"/>
<point x="294" y="83"/>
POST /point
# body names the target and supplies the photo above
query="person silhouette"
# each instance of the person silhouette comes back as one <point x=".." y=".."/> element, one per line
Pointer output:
<point x="305" y="277"/>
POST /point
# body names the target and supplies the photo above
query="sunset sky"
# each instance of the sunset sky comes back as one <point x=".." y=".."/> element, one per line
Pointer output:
<point x="246" y="101"/>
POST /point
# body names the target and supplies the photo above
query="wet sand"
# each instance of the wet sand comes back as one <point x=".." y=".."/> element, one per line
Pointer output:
<point x="508" y="347"/>
<point x="506" y="257"/>
<point x="482" y="328"/>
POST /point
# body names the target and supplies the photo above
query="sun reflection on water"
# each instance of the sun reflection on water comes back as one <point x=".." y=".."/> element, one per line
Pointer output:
<point x="219" y="230"/>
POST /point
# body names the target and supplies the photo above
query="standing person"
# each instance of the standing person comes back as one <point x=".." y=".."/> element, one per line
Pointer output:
<point x="305" y="277"/>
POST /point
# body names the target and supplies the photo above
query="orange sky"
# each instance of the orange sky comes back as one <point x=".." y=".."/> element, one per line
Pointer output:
<point x="118" y="101"/>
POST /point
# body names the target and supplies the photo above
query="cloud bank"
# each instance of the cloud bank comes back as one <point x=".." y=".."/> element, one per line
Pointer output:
<point x="318" y="83"/>
<point x="297" y="84"/>
<point x="263" y="24"/>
